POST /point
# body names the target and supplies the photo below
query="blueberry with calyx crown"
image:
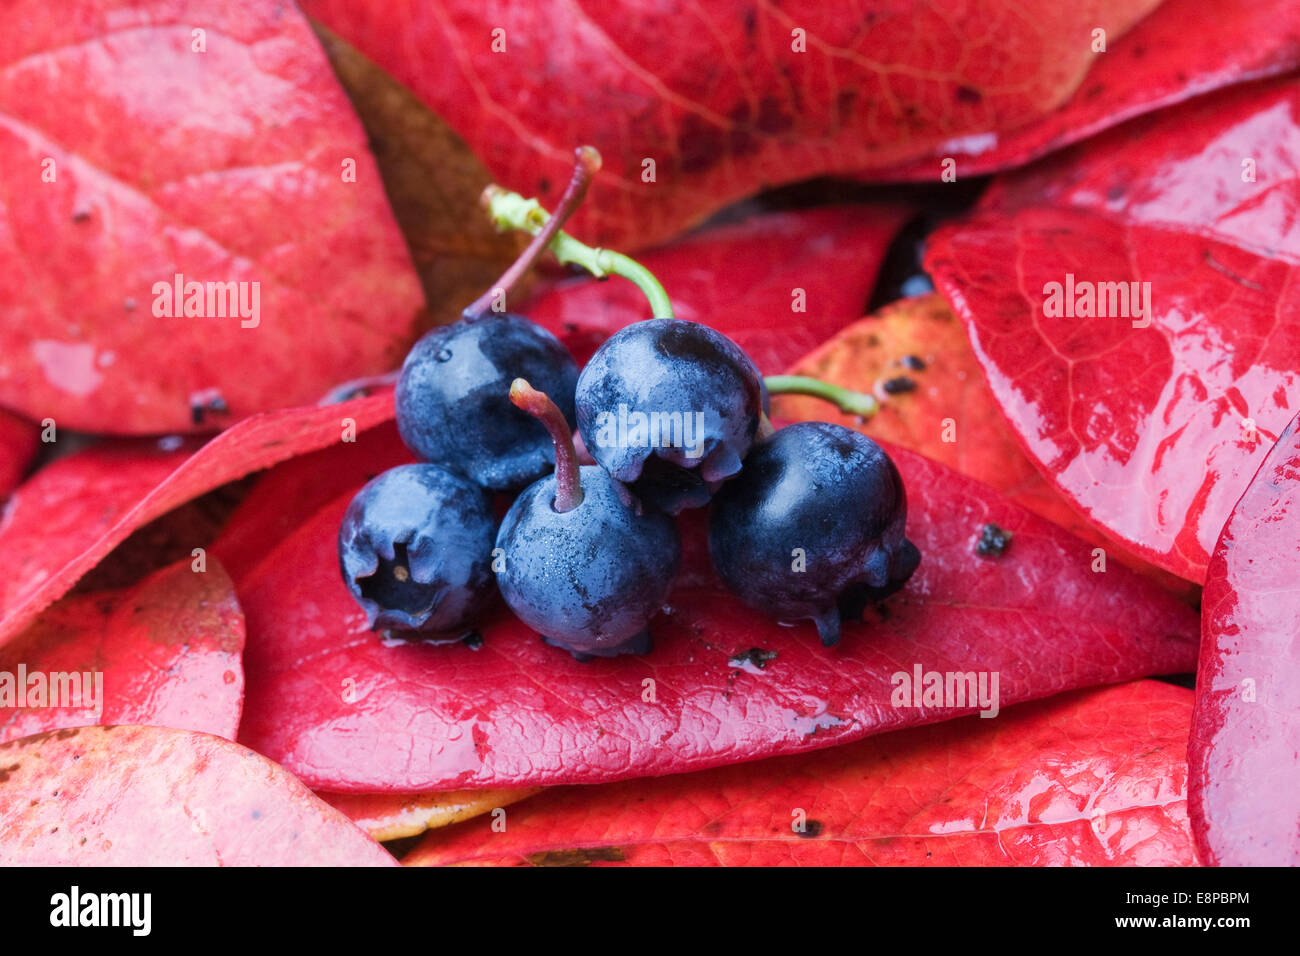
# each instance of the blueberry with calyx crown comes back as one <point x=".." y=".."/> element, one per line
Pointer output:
<point x="415" y="550"/>
<point x="676" y="391"/>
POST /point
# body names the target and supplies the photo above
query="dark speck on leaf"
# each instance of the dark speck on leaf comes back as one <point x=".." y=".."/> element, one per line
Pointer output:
<point x="755" y="655"/>
<point x="915" y="363"/>
<point x="473" y="640"/>
<point x="897" y="386"/>
<point x="993" y="541"/>
<point x="204" y="402"/>
<point x="812" y="828"/>
<point x="968" y="94"/>
<point x="81" y="214"/>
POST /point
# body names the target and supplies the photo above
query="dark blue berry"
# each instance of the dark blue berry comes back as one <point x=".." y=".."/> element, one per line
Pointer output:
<point x="453" y="406"/>
<point x="588" y="579"/>
<point x="415" y="549"/>
<point x="813" y="527"/>
<point x="675" y="391"/>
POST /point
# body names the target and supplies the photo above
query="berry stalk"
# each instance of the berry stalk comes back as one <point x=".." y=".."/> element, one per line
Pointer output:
<point x="847" y="400"/>
<point x="586" y="165"/>
<point x="509" y="210"/>
<point x="568" y="487"/>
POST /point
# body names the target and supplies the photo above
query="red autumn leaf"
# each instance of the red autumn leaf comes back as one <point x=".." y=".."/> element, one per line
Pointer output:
<point x="728" y="98"/>
<point x="915" y="357"/>
<point x="388" y="816"/>
<point x="19" y="440"/>
<point x="128" y="157"/>
<point x="167" y="650"/>
<point x="348" y="711"/>
<point x="1182" y="49"/>
<point x="1092" y="778"/>
<point x="153" y="796"/>
<point x="1152" y="431"/>
<point x="1245" y="745"/>
<point x="62" y="522"/>
<point x="742" y="279"/>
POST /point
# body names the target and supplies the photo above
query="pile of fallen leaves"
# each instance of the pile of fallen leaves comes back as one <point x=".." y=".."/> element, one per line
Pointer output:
<point x="173" y="482"/>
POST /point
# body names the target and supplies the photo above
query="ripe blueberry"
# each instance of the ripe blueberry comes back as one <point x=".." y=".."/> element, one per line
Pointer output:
<point x="813" y="527"/>
<point x="675" y="391"/>
<point x="582" y="564"/>
<point x="452" y="394"/>
<point x="415" y="549"/>
<point x="452" y="398"/>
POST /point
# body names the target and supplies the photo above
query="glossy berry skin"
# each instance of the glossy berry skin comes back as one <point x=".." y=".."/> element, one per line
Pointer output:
<point x="415" y="550"/>
<point x="588" y="580"/>
<point x="660" y="368"/>
<point x="453" y="405"/>
<point x="831" y="492"/>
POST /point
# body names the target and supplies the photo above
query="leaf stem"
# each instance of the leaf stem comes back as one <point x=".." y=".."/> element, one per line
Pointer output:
<point x="847" y="400"/>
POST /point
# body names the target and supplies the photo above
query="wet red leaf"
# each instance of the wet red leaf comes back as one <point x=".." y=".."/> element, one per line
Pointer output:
<point x="167" y="650"/>
<point x="1245" y="745"/>
<point x="719" y="95"/>
<point x="742" y="280"/>
<point x="19" y="440"/>
<point x="63" y="521"/>
<point x="348" y="711"/>
<point x="389" y="816"/>
<point x="1153" y="432"/>
<point x="1182" y="49"/>
<point x="1092" y="778"/>
<point x="914" y="356"/>
<point x="221" y="166"/>
<point x="149" y="796"/>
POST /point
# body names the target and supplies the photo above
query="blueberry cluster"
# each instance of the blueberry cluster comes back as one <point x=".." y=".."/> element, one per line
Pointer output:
<point x="805" y="522"/>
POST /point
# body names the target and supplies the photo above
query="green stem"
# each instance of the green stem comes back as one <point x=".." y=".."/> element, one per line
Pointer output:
<point x="847" y="400"/>
<point x="512" y="211"/>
